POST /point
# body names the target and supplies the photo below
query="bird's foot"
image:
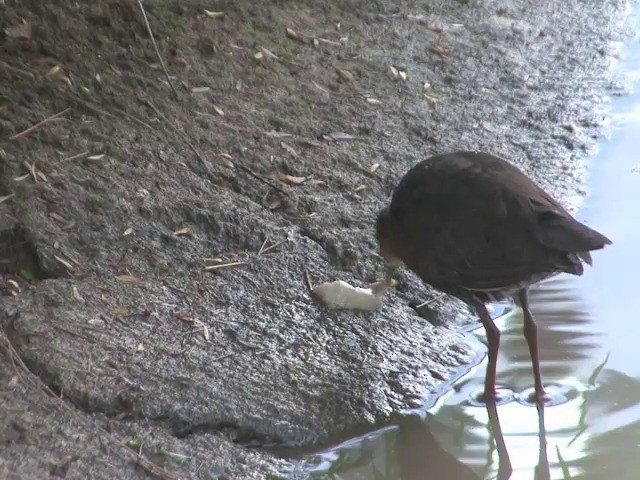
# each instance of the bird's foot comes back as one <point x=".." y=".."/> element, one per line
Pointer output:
<point x="497" y="396"/>
<point x="539" y="397"/>
<point x="551" y="395"/>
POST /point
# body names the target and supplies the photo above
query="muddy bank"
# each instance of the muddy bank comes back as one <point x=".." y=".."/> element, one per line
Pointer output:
<point x="271" y="162"/>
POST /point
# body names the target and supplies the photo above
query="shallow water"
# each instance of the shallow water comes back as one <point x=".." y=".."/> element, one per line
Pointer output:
<point x="589" y="335"/>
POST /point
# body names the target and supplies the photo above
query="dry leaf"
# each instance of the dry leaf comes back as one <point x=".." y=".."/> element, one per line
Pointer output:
<point x="307" y="142"/>
<point x="328" y="42"/>
<point x="127" y="279"/>
<point x="140" y="347"/>
<point x="274" y="134"/>
<point x="76" y="294"/>
<point x="14" y="284"/>
<point x="374" y="167"/>
<point x="22" y="177"/>
<point x="120" y="312"/>
<point x="218" y="110"/>
<point x="393" y="73"/>
<point x="205" y="333"/>
<point x="293" y="35"/>
<point x="291" y="180"/>
<point x="183" y="231"/>
<point x="200" y="89"/>
<point x="269" y="53"/>
<point x="53" y="71"/>
<point x="438" y="51"/>
<point x="21" y="31"/>
<point x="185" y="317"/>
<point x="214" y="259"/>
<point x="322" y="89"/>
<point x="57" y="217"/>
<point x="212" y="14"/>
<point x="57" y="73"/>
<point x="340" y="136"/>
<point x="403" y="74"/>
<point x="127" y="232"/>
<point x="64" y="262"/>
<point x="373" y="101"/>
<point x="359" y="188"/>
<point x="258" y="56"/>
<point x="289" y="149"/>
<point x="226" y="160"/>
<point x="345" y="75"/>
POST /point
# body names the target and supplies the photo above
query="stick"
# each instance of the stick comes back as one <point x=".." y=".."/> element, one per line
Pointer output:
<point x="258" y="177"/>
<point x="73" y="157"/>
<point x="221" y="357"/>
<point x="26" y="132"/>
<point x="262" y="246"/>
<point x="155" y="45"/>
<point x="211" y="268"/>
<point x="181" y="134"/>
<point x="308" y="280"/>
<point x="135" y="119"/>
<point x="275" y="245"/>
<point x="430" y="301"/>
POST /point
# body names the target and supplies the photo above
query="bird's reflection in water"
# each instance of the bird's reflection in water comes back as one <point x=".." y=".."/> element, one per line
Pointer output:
<point x="412" y="452"/>
<point x="420" y="456"/>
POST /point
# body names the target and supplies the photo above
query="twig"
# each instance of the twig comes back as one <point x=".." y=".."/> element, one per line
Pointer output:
<point x="211" y="268"/>
<point x="430" y="301"/>
<point x="26" y="132"/>
<point x="77" y="155"/>
<point x="308" y="280"/>
<point x="258" y="177"/>
<point x="248" y="345"/>
<point x="135" y="119"/>
<point x="263" y="244"/>
<point x="221" y="357"/>
<point x="275" y="245"/>
<point x="225" y="322"/>
<point x="90" y="106"/>
<point x="155" y="45"/>
<point x="7" y="197"/>
<point x="181" y="134"/>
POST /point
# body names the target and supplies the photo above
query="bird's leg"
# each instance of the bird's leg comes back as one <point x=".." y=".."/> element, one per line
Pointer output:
<point x="531" y="334"/>
<point x="542" y="469"/>
<point x="505" y="469"/>
<point x="493" y="343"/>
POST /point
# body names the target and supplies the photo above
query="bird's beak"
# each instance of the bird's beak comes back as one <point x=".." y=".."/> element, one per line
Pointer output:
<point x="389" y="271"/>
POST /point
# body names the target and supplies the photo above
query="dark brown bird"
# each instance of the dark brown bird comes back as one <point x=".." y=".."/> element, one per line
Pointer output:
<point x="474" y="226"/>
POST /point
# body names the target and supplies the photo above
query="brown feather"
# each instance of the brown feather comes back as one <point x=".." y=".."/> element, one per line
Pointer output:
<point x="469" y="221"/>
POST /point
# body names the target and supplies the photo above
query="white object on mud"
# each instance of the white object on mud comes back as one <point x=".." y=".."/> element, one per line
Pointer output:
<point x="341" y="295"/>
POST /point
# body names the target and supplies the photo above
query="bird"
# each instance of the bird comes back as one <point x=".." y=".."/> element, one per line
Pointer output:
<point x="475" y="227"/>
